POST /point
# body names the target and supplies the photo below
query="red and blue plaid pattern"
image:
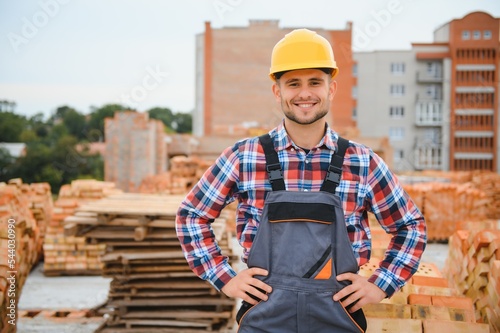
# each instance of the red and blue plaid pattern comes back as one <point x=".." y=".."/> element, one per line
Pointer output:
<point x="367" y="185"/>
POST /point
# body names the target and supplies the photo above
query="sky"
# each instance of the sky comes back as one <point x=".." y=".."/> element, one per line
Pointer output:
<point x="141" y="53"/>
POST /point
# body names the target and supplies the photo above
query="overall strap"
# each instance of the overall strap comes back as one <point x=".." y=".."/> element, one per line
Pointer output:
<point x="273" y="165"/>
<point x="334" y="173"/>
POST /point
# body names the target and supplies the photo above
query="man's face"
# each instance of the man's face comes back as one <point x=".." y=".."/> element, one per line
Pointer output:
<point x="305" y="95"/>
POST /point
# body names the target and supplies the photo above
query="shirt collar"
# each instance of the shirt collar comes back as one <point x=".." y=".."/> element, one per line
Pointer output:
<point x="282" y="141"/>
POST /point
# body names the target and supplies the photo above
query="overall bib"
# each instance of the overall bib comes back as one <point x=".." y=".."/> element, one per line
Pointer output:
<point x="302" y="241"/>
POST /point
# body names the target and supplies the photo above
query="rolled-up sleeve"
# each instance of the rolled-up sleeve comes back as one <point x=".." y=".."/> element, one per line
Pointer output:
<point x="198" y="210"/>
<point x="400" y="217"/>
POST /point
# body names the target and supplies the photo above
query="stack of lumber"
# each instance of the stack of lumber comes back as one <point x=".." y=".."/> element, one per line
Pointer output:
<point x="184" y="173"/>
<point x="443" y="204"/>
<point x="473" y="267"/>
<point x="72" y="255"/>
<point x="19" y="239"/>
<point x="152" y="289"/>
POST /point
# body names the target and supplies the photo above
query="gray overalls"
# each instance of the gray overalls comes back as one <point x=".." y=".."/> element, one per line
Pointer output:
<point x="302" y="241"/>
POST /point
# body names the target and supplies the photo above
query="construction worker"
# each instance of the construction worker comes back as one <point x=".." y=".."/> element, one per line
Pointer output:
<point x="303" y="196"/>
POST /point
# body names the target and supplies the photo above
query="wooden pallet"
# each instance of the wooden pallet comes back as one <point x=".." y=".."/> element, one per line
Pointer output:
<point x="153" y="289"/>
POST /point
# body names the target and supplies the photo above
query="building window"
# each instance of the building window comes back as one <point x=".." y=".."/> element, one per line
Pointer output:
<point x="397" y="90"/>
<point x="396" y="133"/>
<point x="354" y="92"/>
<point x="355" y="70"/>
<point x="487" y="34"/>
<point x="354" y="113"/>
<point x="398" y="155"/>
<point x="476" y="34"/>
<point x="397" y="111"/>
<point x="432" y="91"/>
<point x="465" y="34"/>
<point x="397" y="68"/>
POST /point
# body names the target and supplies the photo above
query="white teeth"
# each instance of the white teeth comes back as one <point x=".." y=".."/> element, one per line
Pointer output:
<point x="306" y="105"/>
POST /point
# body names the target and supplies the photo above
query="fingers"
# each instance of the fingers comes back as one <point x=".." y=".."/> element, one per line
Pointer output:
<point x="245" y="286"/>
<point x="346" y="291"/>
<point x="359" y="293"/>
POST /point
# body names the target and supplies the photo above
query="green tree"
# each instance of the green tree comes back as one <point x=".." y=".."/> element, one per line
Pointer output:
<point x="11" y="125"/>
<point x="184" y="122"/>
<point x="175" y="122"/>
<point x="164" y="114"/>
<point x="38" y="125"/>
<point x="74" y="121"/>
<point x="6" y="163"/>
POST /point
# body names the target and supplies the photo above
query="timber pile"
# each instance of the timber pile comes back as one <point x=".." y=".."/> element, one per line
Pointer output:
<point x="427" y="304"/>
<point x="71" y="255"/>
<point x="19" y="239"/>
<point x="443" y="204"/>
<point x="473" y="267"/>
<point x="152" y="289"/>
<point x="184" y="173"/>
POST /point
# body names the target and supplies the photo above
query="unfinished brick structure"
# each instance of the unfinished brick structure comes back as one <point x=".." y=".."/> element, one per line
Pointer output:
<point x="135" y="148"/>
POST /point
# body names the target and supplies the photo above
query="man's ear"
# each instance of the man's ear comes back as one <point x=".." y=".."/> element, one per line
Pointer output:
<point x="276" y="91"/>
<point x="332" y="89"/>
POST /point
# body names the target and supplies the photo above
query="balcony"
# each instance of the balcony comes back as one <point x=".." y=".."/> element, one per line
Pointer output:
<point x="428" y="157"/>
<point x="429" y="113"/>
<point x="426" y="77"/>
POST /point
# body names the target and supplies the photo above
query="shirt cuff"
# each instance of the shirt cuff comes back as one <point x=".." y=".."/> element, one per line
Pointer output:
<point x="386" y="280"/>
<point x="223" y="273"/>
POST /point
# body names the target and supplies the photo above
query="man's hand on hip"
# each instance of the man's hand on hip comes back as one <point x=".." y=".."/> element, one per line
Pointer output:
<point x="359" y="293"/>
<point x="244" y="284"/>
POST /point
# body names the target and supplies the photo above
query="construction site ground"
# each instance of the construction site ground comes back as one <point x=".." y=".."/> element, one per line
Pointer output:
<point x="64" y="303"/>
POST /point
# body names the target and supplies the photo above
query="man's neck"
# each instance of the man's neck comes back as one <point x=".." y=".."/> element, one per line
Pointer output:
<point x="305" y="136"/>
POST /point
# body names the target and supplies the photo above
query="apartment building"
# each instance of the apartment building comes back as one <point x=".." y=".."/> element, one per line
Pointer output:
<point x="438" y="102"/>
<point x="233" y="88"/>
<point x="386" y="101"/>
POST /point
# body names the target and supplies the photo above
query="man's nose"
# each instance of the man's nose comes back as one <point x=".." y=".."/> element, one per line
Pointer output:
<point x="304" y="92"/>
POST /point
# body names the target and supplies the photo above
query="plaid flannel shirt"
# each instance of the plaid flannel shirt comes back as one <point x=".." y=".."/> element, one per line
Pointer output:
<point x="367" y="185"/>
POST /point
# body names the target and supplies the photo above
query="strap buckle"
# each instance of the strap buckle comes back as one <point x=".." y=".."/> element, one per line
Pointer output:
<point x="334" y="174"/>
<point x="274" y="172"/>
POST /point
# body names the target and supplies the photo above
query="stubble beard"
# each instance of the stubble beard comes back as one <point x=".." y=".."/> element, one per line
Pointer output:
<point x="292" y="117"/>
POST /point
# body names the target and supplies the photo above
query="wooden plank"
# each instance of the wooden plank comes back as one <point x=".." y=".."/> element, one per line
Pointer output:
<point x="192" y="314"/>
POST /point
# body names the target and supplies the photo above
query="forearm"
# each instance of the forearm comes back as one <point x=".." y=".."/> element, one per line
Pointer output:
<point x="402" y="256"/>
<point x="201" y="250"/>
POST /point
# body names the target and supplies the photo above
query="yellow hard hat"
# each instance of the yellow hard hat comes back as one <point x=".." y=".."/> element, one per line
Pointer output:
<point x="302" y="48"/>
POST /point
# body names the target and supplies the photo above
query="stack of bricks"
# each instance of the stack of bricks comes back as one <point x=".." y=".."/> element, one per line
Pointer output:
<point x="41" y="205"/>
<point x="72" y="255"/>
<point x="443" y="204"/>
<point x="19" y="236"/>
<point x="489" y="183"/>
<point x="184" y="173"/>
<point x="473" y="268"/>
<point x="425" y="305"/>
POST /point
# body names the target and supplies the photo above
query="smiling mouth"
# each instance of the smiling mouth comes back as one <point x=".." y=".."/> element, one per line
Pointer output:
<point x="305" y="105"/>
